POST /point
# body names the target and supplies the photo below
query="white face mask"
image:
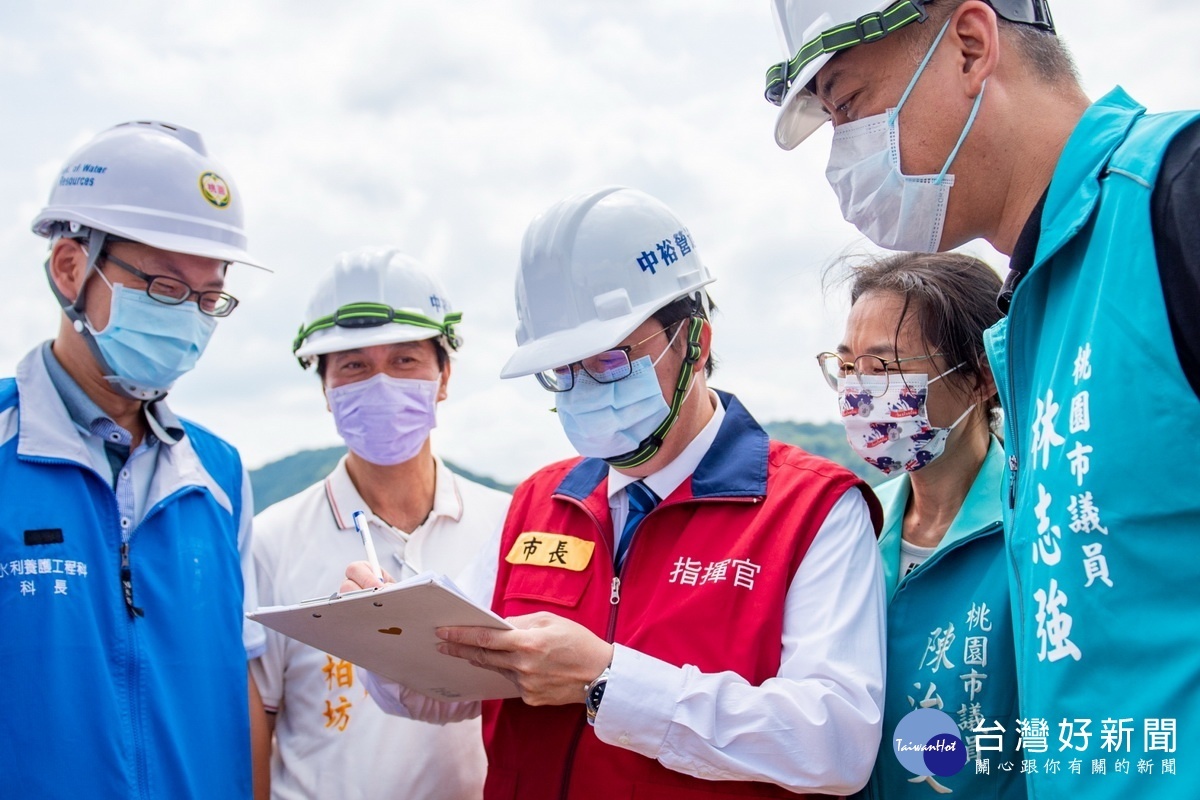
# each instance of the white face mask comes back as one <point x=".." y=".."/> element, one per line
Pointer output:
<point x="893" y="210"/>
<point x="608" y="420"/>
<point x="892" y="431"/>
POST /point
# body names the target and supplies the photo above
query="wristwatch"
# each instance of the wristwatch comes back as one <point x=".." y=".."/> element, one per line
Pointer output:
<point x="593" y="693"/>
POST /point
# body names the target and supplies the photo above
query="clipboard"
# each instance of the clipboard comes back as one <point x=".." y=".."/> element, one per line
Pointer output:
<point x="390" y="631"/>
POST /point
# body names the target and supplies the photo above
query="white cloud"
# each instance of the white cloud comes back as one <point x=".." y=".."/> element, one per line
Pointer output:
<point x="443" y="128"/>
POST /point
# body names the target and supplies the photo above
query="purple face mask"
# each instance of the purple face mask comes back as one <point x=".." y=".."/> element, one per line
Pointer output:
<point x="385" y="420"/>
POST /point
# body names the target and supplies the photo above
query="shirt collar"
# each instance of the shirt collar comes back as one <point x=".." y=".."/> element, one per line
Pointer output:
<point x="344" y="498"/>
<point x="1023" y="254"/>
<point x="667" y="479"/>
<point x="86" y="414"/>
<point x="980" y="511"/>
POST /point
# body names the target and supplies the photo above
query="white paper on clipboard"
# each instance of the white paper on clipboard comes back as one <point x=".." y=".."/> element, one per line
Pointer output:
<point x="390" y="631"/>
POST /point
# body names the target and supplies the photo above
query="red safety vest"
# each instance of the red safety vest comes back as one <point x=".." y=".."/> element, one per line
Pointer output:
<point x="703" y="584"/>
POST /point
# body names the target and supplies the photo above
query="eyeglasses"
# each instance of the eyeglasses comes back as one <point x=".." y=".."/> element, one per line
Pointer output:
<point x="172" y="291"/>
<point x="607" y="367"/>
<point x="865" y="366"/>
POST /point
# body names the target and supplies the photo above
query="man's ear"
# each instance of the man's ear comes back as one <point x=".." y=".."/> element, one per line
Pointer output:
<point x="444" y="382"/>
<point x="976" y="33"/>
<point x="705" y="346"/>
<point x="68" y="266"/>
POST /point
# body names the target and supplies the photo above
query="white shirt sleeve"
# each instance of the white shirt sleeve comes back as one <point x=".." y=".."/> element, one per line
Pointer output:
<point x="254" y="637"/>
<point x="816" y="726"/>
<point x="478" y="582"/>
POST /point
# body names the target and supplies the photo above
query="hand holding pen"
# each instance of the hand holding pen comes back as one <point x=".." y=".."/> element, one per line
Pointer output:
<point x="364" y="574"/>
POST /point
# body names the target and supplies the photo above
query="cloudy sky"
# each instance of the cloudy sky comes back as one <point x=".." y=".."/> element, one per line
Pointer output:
<point x="443" y="128"/>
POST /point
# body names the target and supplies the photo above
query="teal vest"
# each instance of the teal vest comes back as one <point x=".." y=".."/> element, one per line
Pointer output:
<point x="959" y="598"/>
<point x="1100" y="494"/>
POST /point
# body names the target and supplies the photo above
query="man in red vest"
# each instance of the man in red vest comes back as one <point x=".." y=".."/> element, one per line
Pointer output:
<point x="698" y="610"/>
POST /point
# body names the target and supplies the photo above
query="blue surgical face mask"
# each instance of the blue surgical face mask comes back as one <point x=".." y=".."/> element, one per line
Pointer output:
<point x="893" y="210"/>
<point x="151" y="344"/>
<point x="605" y="420"/>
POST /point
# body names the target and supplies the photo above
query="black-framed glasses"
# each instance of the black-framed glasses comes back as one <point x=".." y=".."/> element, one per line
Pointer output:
<point x="172" y="291"/>
<point x="867" y="368"/>
<point x="607" y="367"/>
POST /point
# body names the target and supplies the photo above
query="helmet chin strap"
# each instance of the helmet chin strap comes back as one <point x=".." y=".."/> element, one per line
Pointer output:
<point x="79" y="321"/>
<point x="650" y="446"/>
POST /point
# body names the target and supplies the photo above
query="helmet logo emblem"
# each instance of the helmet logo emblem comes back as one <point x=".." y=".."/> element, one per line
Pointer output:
<point x="215" y="189"/>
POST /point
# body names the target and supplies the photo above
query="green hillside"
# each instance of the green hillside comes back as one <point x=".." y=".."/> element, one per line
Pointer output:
<point x="826" y="439"/>
<point x="289" y="475"/>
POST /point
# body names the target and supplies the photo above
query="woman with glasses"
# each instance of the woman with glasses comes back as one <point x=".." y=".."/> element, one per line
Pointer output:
<point x="918" y="401"/>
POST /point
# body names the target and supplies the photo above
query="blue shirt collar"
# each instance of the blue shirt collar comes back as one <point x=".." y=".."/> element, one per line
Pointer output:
<point x="84" y="412"/>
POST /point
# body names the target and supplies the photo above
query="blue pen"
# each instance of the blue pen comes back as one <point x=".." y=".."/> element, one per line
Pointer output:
<point x="360" y="525"/>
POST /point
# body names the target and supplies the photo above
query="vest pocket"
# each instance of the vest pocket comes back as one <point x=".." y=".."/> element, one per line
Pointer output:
<point x="560" y="587"/>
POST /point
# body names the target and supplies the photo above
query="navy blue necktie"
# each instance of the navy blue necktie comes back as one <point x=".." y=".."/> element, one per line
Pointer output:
<point x="642" y="501"/>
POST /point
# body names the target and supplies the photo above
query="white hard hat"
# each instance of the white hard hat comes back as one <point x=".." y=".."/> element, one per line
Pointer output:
<point x="153" y="183"/>
<point x="375" y="295"/>
<point x="813" y="31"/>
<point x="593" y="268"/>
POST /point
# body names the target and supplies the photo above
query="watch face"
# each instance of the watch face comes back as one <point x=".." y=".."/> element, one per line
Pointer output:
<point x="597" y="694"/>
<point x="594" y="694"/>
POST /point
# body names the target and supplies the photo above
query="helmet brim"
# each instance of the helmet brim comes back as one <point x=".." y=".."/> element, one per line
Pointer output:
<point x="575" y="344"/>
<point x="172" y="242"/>
<point x="335" y="339"/>
<point x="801" y="113"/>
<point x="204" y="248"/>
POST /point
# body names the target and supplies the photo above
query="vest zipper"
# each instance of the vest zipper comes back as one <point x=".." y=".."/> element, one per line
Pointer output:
<point x="135" y="724"/>
<point x="614" y="599"/>
<point x="903" y="582"/>
<point x="565" y="787"/>
<point x="1010" y="428"/>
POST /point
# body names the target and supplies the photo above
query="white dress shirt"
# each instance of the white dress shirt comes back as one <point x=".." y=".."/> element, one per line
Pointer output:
<point x="815" y="727"/>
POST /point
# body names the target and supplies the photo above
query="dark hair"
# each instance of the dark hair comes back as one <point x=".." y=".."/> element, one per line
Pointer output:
<point x="443" y="358"/>
<point x="1043" y="50"/>
<point x="682" y="309"/>
<point x="951" y="296"/>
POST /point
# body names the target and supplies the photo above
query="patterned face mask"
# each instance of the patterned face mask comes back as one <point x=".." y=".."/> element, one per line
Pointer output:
<point x="890" y="428"/>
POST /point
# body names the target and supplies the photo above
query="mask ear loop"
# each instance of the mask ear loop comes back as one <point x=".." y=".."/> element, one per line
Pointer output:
<point x="912" y="85"/>
<point x="970" y="408"/>
<point x="921" y="68"/>
<point x="667" y="349"/>
<point x="653" y="443"/>
<point x="962" y="416"/>
<point x="936" y="378"/>
<point x="962" y="137"/>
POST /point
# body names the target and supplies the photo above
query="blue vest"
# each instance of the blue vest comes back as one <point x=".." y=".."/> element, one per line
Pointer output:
<point x="950" y="640"/>
<point x="1099" y="436"/>
<point x="98" y="703"/>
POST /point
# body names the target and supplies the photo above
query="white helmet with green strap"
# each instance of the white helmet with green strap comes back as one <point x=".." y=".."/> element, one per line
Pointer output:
<point x="373" y="296"/>
<point x="813" y="31"/>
